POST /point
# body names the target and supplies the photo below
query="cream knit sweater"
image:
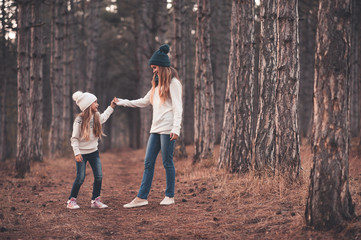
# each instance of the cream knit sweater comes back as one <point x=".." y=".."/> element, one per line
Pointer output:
<point x="167" y="116"/>
<point x="81" y="146"/>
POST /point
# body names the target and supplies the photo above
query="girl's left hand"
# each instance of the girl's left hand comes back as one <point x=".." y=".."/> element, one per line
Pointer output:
<point x="113" y="103"/>
<point x="173" y="136"/>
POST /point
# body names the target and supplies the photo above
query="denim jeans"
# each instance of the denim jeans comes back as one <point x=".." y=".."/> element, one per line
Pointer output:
<point x="156" y="143"/>
<point x="94" y="161"/>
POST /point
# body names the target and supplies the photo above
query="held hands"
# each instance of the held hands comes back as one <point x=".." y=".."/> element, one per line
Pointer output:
<point x="173" y="136"/>
<point x="113" y="103"/>
<point x="78" y="158"/>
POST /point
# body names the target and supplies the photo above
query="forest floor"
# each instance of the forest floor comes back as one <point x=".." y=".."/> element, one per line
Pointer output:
<point x="210" y="203"/>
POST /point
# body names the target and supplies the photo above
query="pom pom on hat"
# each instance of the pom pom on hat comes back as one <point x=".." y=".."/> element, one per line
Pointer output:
<point x="164" y="48"/>
<point x="84" y="100"/>
<point x="160" y="57"/>
<point x="77" y="95"/>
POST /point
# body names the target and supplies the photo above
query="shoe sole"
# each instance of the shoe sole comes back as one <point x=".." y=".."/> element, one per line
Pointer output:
<point x="98" y="207"/>
<point x="72" y="208"/>
<point x="134" y="206"/>
<point x="166" y="204"/>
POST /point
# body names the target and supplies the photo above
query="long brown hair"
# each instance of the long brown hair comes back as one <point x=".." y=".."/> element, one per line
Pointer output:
<point x="86" y="116"/>
<point x="165" y="75"/>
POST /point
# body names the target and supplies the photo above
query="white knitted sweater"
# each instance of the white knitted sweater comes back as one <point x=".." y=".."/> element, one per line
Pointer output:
<point x="81" y="146"/>
<point x="167" y="116"/>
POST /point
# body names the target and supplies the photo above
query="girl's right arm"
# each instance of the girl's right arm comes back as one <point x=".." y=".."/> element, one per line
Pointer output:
<point x="75" y="136"/>
<point x="141" y="102"/>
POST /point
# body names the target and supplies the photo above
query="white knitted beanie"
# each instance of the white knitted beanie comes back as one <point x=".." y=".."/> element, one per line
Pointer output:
<point x="84" y="100"/>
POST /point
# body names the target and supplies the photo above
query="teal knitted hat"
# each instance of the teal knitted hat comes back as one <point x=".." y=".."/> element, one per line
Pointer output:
<point x="160" y="57"/>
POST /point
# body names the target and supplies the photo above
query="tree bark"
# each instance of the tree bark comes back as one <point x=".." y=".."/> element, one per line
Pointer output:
<point x="144" y="76"/>
<point x="355" y="81"/>
<point x="78" y="40"/>
<point x="67" y="100"/>
<point x="56" y="79"/>
<point x="236" y="142"/>
<point x="288" y="75"/>
<point x="149" y="31"/>
<point x="204" y="123"/>
<point x="220" y="45"/>
<point x="224" y="160"/>
<point x="307" y="29"/>
<point x="264" y="146"/>
<point x="36" y="84"/>
<point x="93" y="27"/>
<point x="241" y="142"/>
<point x="188" y="78"/>
<point x="179" y="63"/>
<point x="329" y="201"/>
<point x="76" y="30"/>
<point x="358" y="6"/>
<point x="3" y="77"/>
<point x="23" y="141"/>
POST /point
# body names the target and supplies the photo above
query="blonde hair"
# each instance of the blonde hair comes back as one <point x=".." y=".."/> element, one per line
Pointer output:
<point x="165" y="75"/>
<point x="86" y="116"/>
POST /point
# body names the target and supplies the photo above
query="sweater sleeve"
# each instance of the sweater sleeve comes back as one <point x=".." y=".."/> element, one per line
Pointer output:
<point x="75" y="136"/>
<point x="177" y="106"/>
<point x="106" y="114"/>
<point x="141" y="102"/>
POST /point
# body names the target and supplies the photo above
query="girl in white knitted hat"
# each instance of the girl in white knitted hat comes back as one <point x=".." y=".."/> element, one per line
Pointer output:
<point x="87" y="129"/>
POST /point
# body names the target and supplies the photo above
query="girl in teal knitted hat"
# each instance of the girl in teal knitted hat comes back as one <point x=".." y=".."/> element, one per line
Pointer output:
<point x="165" y="96"/>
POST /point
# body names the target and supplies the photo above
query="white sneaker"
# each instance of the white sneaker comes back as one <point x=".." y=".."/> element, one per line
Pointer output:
<point x="71" y="203"/>
<point x="137" y="202"/>
<point x="167" y="201"/>
<point x="97" y="203"/>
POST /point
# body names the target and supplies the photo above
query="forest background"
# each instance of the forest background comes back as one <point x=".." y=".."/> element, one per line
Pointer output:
<point x="104" y="47"/>
<point x="124" y="35"/>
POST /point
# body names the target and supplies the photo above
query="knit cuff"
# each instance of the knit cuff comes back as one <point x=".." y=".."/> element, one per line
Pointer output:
<point x="76" y="152"/>
<point x="176" y="130"/>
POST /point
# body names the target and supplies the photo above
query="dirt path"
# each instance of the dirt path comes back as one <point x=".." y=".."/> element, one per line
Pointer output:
<point x="209" y="205"/>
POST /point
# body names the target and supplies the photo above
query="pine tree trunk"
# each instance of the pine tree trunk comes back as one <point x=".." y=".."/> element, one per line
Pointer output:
<point x="149" y="27"/>
<point x="145" y="113"/>
<point x="74" y="58"/>
<point x="224" y="160"/>
<point x="358" y="6"/>
<point x="179" y="63"/>
<point x="3" y="83"/>
<point x="134" y="123"/>
<point x="264" y="141"/>
<point x="355" y="81"/>
<point x="36" y="84"/>
<point x="67" y="100"/>
<point x="79" y="41"/>
<point x="23" y="141"/>
<point x="56" y="79"/>
<point x="236" y="141"/>
<point x="52" y="131"/>
<point x="136" y="131"/>
<point x="241" y="142"/>
<point x="287" y="137"/>
<point x="144" y="75"/>
<point x="329" y="201"/>
<point x="307" y="26"/>
<point x="220" y="45"/>
<point x="188" y="78"/>
<point x="160" y="23"/>
<point x="204" y="115"/>
<point x="93" y="25"/>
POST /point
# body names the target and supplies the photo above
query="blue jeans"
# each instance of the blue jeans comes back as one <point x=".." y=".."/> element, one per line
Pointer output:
<point x="94" y="161"/>
<point x="156" y="143"/>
